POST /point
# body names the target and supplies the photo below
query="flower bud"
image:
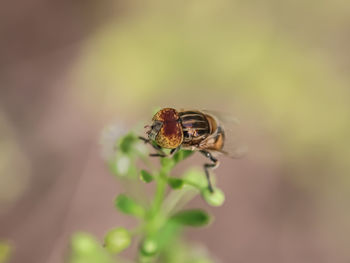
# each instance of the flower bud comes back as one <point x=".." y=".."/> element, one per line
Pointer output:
<point x="117" y="240"/>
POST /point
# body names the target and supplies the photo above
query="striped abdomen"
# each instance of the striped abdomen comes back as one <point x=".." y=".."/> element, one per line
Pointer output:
<point x="195" y="127"/>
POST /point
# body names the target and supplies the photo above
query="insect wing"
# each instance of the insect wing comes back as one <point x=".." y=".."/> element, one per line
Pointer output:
<point x="233" y="134"/>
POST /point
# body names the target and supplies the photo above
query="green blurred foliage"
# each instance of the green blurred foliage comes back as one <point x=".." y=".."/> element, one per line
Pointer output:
<point x="86" y="249"/>
<point x="194" y="217"/>
<point x="5" y="252"/>
<point x="217" y="198"/>
<point x="196" y="178"/>
<point x="14" y="165"/>
<point x="160" y="219"/>
<point x="146" y="176"/>
<point x="129" y="206"/>
<point x="175" y="183"/>
<point x="117" y="240"/>
<point x="181" y="252"/>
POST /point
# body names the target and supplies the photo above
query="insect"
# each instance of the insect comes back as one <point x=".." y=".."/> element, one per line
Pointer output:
<point x="191" y="130"/>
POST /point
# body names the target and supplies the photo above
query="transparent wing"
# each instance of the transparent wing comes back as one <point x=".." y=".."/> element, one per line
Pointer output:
<point x="234" y="145"/>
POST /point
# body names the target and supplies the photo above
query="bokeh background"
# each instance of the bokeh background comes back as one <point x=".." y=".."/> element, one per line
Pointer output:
<point x="70" y="68"/>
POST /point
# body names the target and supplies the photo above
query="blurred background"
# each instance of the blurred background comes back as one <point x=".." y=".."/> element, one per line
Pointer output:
<point x="70" y="68"/>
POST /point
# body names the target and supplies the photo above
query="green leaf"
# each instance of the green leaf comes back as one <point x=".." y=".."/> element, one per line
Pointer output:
<point x="175" y="183"/>
<point x="182" y="155"/>
<point x="129" y="206"/>
<point x="117" y="240"/>
<point x="215" y="198"/>
<point x="146" y="176"/>
<point x="194" y="217"/>
<point x="126" y="142"/>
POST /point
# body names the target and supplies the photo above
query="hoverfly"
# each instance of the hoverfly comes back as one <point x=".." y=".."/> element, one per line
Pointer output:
<point x="190" y="130"/>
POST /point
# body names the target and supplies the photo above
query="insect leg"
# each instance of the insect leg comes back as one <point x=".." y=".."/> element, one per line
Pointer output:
<point x="208" y="166"/>
<point x="159" y="153"/>
<point x="163" y="154"/>
<point x="175" y="150"/>
<point x="145" y="140"/>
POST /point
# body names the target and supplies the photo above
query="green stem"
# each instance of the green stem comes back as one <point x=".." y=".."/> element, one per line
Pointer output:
<point x="160" y="192"/>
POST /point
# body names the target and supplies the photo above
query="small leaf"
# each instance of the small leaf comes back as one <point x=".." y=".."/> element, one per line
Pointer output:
<point x="215" y="198"/>
<point x="117" y="240"/>
<point x="175" y="183"/>
<point x="194" y="217"/>
<point x="146" y="176"/>
<point x="129" y="206"/>
<point x="182" y="155"/>
<point x="126" y="143"/>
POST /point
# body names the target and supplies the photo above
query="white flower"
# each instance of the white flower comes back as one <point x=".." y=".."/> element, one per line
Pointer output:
<point x="123" y="165"/>
<point x="109" y="138"/>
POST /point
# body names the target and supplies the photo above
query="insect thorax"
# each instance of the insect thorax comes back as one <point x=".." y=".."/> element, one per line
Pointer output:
<point x="195" y="127"/>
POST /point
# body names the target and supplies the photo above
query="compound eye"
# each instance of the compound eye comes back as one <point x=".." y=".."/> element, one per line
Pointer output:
<point x="157" y="125"/>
